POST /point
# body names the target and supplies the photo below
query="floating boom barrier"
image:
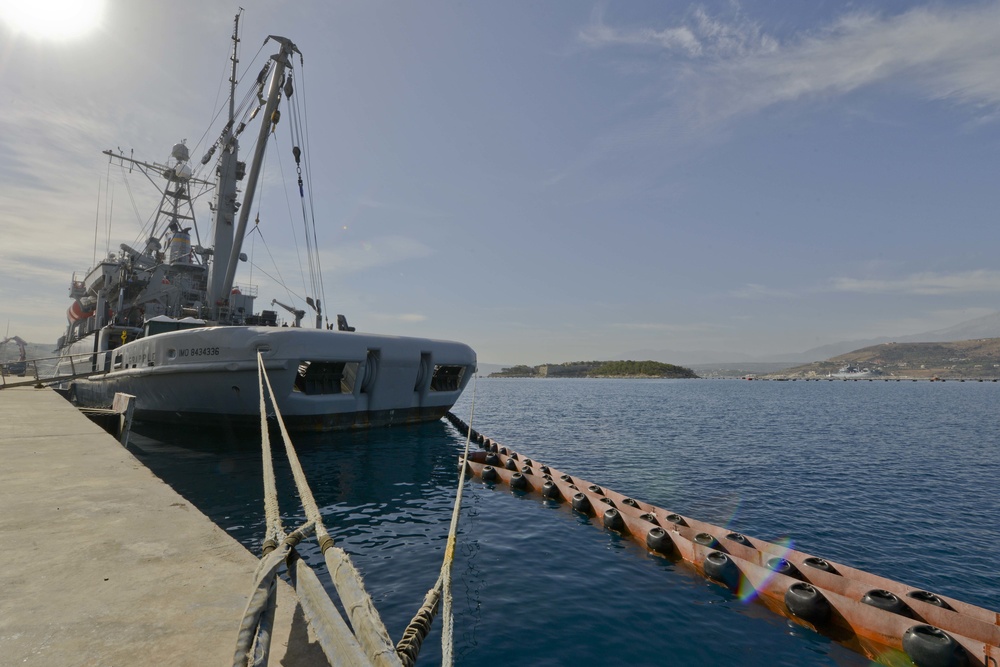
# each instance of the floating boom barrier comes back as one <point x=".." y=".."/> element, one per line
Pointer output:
<point x="877" y="617"/>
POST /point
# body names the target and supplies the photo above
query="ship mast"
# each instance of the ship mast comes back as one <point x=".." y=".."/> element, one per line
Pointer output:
<point x="225" y="204"/>
<point x="281" y="62"/>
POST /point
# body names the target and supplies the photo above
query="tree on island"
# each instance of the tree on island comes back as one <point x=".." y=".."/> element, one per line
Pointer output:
<point x="641" y="369"/>
<point x="585" y="369"/>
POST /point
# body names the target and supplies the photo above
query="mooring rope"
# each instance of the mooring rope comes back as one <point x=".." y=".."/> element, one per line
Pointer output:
<point x="369" y="642"/>
<point x="274" y="532"/>
<point x="301" y="485"/>
<point x="365" y="621"/>
<point x="409" y="645"/>
<point x="253" y="638"/>
<point x="448" y="619"/>
<point x="413" y="637"/>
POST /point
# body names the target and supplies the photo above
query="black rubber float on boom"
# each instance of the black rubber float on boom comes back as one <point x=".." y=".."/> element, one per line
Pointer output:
<point x="657" y="540"/>
<point x="613" y="520"/>
<point x="806" y="602"/>
<point x="867" y="613"/>
<point x="581" y="503"/>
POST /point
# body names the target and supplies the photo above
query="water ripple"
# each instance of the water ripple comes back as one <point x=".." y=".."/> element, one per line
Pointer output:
<point x="894" y="478"/>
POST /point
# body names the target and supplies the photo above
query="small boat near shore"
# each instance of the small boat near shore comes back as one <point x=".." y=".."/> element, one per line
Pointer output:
<point x="167" y="323"/>
<point x="853" y="372"/>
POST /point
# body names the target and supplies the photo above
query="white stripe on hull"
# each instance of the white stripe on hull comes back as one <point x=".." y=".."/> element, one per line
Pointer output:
<point x="206" y="373"/>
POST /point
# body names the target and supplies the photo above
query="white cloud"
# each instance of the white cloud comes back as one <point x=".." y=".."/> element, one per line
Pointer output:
<point x="682" y="38"/>
<point x="755" y="291"/>
<point x="924" y="283"/>
<point x="715" y="69"/>
<point x="663" y="327"/>
<point x="704" y="37"/>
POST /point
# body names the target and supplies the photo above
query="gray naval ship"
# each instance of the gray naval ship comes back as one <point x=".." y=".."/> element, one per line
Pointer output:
<point x="167" y="323"/>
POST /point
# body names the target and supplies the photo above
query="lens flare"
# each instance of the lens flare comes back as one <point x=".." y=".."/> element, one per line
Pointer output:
<point x="746" y="591"/>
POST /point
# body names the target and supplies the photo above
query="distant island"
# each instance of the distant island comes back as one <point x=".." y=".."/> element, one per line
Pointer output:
<point x="598" y="369"/>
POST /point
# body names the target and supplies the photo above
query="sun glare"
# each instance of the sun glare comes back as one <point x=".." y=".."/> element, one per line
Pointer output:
<point x="52" y="19"/>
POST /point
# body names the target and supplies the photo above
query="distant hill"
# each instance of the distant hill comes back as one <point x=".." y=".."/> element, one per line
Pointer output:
<point x="488" y="369"/>
<point x="593" y="369"/>
<point x="738" y="369"/>
<point x="692" y="357"/>
<point x="973" y="359"/>
<point x="987" y="326"/>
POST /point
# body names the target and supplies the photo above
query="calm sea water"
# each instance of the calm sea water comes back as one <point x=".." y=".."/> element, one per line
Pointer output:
<point x="900" y="479"/>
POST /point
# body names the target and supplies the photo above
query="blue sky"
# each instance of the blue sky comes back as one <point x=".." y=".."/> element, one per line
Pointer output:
<point x="551" y="181"/>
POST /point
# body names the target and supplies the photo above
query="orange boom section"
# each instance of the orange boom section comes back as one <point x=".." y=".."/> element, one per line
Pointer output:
<point x="877" y="617"/>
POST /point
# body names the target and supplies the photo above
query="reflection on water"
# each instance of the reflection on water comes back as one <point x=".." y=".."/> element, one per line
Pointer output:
<point x="351" y="474"/>
<point x="385" y="496"/>
<point x="889" y="478"/>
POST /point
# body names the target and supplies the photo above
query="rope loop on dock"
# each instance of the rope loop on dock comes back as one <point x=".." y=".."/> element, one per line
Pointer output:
<point x="365" y="640"/>
<point x="336" y="639"/>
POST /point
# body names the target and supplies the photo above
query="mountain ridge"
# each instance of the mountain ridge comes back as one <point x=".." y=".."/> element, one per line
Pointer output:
<point x="987" y="326"/>
<point x="978" y="358"/>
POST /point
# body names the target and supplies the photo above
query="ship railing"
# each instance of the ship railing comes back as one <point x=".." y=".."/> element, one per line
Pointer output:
<point x="46" y="371"/>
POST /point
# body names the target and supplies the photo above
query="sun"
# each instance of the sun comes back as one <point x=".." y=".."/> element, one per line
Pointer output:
<point x="52" y="19"/>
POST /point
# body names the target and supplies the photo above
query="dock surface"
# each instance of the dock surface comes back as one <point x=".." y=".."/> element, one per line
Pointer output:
<point x="104" y="564"/>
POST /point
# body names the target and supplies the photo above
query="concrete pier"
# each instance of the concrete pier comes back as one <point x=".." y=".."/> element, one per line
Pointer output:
<point x="104" y="564"/>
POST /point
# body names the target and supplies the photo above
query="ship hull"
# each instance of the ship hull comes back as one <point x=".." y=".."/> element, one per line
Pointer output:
<point x="322" y="380"/>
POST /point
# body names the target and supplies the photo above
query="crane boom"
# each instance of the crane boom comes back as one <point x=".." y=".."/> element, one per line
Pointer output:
<point x="297" y="312"/>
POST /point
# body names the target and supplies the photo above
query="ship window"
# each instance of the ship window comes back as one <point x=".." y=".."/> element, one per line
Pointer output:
<point x="326" y="377"/>
<point x="447" y="378"/>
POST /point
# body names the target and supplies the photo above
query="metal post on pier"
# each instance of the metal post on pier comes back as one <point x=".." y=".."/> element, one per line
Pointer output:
<point x="124" y="406"/>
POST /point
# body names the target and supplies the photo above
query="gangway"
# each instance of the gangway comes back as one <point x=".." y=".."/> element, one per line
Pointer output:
<point x="77" y="362"/>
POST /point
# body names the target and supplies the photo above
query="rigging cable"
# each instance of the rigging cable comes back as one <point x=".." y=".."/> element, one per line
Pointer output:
<point x="300" y="138"/>
<point x="239" y="78"/>
<point x="135" y="208"/>
<point x="109" y="208"/>
<point x="218" y="90"/>
<point x="107" y="214"/>
<point x="293" y="296"/>
<point x="256" y="224"/>
<point x="253" y="245"/>
<point x="97" y="223"/>
<point x="312" y="210"/>
<point x="280" y="281"/>
<point x="288" y="208"/>
<point x="310" y="250"/>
